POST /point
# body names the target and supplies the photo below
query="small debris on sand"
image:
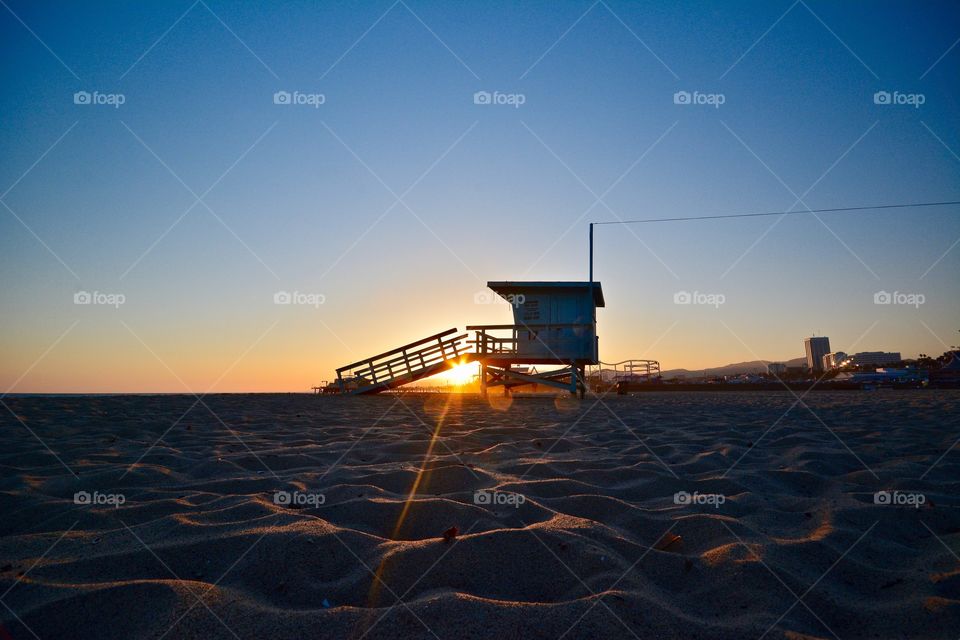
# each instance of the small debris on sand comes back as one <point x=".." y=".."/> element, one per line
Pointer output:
<point x="451" y="534"/>
<point x="669" y="542"/>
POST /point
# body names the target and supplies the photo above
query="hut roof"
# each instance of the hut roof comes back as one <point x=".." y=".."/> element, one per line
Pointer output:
<point x="512" y="287"/>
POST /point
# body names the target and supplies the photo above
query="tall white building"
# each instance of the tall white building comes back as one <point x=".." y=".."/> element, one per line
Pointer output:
<point x="816" y="348"/>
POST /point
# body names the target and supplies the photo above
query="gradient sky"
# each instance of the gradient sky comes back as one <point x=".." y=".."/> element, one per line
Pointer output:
<point x="297" y="198"/>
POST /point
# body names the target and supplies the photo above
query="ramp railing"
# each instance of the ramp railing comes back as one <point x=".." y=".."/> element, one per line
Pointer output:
<point x="399" y="366"/>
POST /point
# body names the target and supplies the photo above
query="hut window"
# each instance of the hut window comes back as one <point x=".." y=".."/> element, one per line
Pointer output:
<point x="531" y="310"/>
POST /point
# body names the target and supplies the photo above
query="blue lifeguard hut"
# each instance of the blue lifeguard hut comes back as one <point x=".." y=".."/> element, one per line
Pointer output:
<point x="554" y="323"/>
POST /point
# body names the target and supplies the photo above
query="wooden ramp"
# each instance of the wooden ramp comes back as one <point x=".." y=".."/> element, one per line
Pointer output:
<point x="403" y="365"/>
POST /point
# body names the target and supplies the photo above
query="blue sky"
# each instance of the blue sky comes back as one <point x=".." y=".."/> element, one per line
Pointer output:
<point x="301" y="197"/>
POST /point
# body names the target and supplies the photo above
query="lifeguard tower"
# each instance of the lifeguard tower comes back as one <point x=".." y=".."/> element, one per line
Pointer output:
<point x="554" y="323"/>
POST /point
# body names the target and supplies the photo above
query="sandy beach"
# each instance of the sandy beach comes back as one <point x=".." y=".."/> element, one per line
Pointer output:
<point x="736" y="515"/>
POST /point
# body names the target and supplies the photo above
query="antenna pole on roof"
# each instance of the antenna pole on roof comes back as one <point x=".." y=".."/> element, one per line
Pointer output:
<point x="591" y="255"/>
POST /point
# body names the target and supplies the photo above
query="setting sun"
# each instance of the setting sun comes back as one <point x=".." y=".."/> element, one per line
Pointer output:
<point x="462" y="374"/>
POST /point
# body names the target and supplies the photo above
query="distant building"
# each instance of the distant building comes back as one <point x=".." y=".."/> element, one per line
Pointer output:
<point x="834" y="360"/>
<point x="816" y="348"/>
<point x="887" y="375"/>
<point x="875" y="358"/>
<point x="776" y="368"/>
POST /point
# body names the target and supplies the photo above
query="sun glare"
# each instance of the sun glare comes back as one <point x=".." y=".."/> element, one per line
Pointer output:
<point x="462" y="374"/>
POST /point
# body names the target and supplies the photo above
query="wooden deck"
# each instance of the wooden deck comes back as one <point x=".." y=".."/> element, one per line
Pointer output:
<point x="555" y="343"/>
<point x="496" y="347"/>
<point x="403" y="365"/>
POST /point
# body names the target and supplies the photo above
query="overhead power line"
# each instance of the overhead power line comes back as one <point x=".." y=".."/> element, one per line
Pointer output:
<point x="784" y="213"/>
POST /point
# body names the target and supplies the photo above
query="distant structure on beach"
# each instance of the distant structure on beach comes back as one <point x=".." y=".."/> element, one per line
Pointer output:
<point x="840" y="360"/>
<point x="816" y="347"/>
<point x="776" y="368"/>
<point x="834" y="360"/>
<point x="874" y="358"/>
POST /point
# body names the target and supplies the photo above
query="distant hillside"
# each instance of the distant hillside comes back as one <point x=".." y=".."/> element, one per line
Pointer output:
<point x="754" y="366"/>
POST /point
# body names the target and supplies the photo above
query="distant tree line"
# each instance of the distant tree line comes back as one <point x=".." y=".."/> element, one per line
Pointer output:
<point x="928" y="362"/>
